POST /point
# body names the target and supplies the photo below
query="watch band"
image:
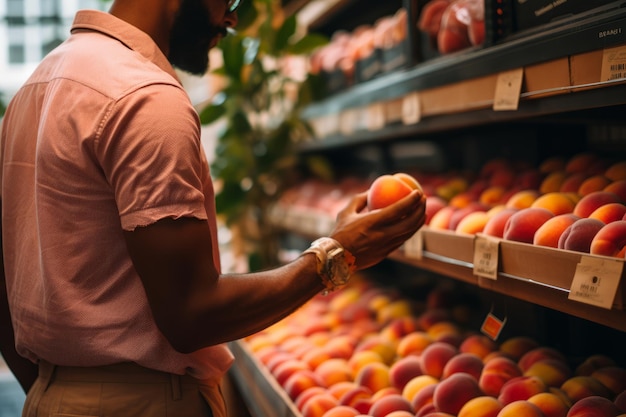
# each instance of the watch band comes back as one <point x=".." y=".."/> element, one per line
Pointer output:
<point x="331" y="256"/>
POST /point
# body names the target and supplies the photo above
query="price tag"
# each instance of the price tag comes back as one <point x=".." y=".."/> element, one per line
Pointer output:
<point x="347" y="121"/>
<point x="492" y="326"/>
<point x="393" y="110"/>
<point x="486" y="256"/>
<point x="596" y="280"/>
<point x="613" y="64"/>
<point x="508" y="89"/>
<point x="411" y="109"/>
<point x="414" y="246"/>
<point x="375" y="116"/>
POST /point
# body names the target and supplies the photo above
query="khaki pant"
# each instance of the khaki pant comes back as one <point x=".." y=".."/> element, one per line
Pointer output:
<point x="122" y="390"/>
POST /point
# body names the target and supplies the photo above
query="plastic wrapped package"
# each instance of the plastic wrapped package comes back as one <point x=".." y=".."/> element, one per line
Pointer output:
<point x="453" y="25"/>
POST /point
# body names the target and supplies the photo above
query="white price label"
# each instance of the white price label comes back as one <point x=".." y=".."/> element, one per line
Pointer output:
<point x="486" y="253"/>
<point x="411" y="109"/>
<point x="375" y="116"/>
<point x="613" y="64"/>
<point x="414" y="246"/>
<point x="596" y="280"/>
<point x="508" y="90"/>
<point x="348" y="121"/>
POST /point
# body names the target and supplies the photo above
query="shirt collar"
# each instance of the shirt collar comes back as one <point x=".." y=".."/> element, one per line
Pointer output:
<point x="124" y="32"/>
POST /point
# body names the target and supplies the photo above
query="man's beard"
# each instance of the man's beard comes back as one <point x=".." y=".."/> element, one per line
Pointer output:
<point x="191" y="37"/>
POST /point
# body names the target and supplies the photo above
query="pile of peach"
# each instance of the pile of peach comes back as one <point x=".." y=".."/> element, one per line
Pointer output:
<point x="364" y="351"/>
<point x="575" y="204"/>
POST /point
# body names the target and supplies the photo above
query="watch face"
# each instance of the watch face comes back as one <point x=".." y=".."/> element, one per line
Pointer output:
<point x="340" y="270"/>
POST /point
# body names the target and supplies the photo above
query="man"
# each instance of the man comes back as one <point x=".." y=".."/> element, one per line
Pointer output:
<point x="110" y="254"/>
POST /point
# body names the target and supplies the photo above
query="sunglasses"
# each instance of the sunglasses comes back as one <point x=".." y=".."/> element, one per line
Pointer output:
<point x="232" y="5"/>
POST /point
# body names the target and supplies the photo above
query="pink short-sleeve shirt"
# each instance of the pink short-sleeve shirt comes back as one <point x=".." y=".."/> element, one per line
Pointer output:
<point x="102" y="138"/>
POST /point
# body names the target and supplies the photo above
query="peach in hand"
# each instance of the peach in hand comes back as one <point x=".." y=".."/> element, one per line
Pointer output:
<point x="387" y="189"/>
<point x="610" y="240"/>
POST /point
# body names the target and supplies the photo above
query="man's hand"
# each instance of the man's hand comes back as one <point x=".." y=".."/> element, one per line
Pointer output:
<point x="372" y="235"/>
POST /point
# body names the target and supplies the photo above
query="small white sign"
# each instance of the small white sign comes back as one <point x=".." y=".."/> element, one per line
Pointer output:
<point x="596" y="280"/>
<point x="613" y="64"/>
<point x="508" y="90"/>
<point x="486" y="254"/>
<point x="411" y="109"/>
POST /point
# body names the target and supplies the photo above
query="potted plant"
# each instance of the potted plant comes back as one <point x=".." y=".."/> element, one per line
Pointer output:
<point x="260" y="103"/>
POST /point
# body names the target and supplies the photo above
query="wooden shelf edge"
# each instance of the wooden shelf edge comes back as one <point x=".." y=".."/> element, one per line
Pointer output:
<point x="263" y="396"/>
<point x="520" y="288"/>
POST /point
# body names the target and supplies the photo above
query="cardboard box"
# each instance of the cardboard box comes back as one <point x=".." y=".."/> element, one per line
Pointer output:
<point x="586" y="68"/>
<point x="462" y="96"/>
<point x="449" y="244"/>
<point x="547" y="78"/>
<point x="547" y="266"/>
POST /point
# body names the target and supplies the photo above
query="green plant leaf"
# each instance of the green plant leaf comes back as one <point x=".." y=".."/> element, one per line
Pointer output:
<point x="285" y="32"/>
<point x="233" y="53"/>
<point x="211" y="113"/>
<point x="321" y="167"/>
<point x="247" y="14"/>
<point x="307" y="44"/>
<point x="230" y="200"/>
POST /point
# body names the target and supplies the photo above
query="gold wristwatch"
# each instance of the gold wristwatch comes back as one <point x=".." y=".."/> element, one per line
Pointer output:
<point x="334" y="263"/>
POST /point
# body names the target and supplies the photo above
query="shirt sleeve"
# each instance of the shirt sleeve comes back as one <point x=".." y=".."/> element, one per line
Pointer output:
<point x="150" y="151"/>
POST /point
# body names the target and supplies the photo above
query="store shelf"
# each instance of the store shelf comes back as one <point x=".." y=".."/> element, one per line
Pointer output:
<point x="263" y="396"/>
<point x="597" y="96"/>
<point x="542" y="276"/>
<point x="590" y="32"/>
<point x="522" y="288"/>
